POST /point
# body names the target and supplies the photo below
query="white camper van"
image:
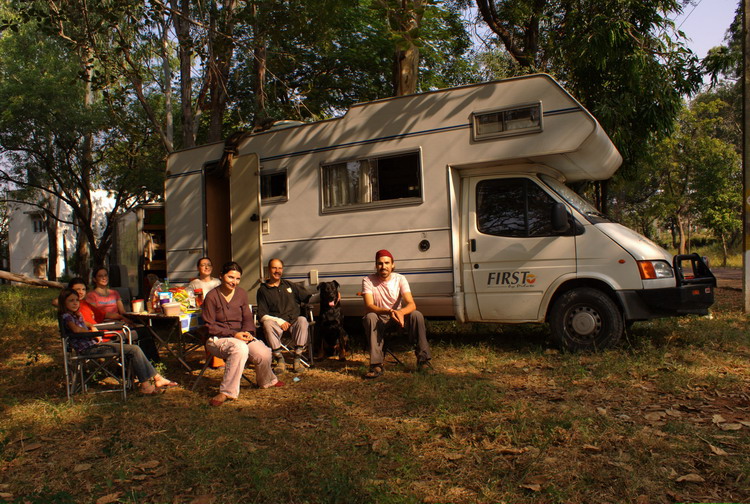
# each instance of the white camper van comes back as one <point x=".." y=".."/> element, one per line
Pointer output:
<point x="465" y="186"/>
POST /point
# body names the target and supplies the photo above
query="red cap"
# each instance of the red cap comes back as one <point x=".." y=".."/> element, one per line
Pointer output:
<point x="383" y="253"/>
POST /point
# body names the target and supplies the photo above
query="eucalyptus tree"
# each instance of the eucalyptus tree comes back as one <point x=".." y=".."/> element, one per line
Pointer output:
<point x="60" y="139"/>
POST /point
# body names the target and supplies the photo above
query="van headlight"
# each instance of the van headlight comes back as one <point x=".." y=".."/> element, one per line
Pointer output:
<point x="650" y="270"/>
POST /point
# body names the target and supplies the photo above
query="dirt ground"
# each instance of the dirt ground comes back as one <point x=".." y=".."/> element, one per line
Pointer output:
<point x="730" y="278"/>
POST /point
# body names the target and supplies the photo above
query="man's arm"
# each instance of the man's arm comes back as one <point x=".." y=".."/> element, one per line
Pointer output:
<point x="262" y="303"/>
<point x="408" y="306"/>
<point x="301" y="293"/>
<point x="371" y="307"/>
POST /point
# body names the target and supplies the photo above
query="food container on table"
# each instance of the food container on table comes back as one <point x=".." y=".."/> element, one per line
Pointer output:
<point x="137" y="305"/>
<point x="171" y="309"/>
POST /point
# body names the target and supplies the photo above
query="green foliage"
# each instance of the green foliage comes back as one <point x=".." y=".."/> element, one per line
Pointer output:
<point x="693" y="177"/>
<point x="320" y="65"/>
<point x="623" y="59"/>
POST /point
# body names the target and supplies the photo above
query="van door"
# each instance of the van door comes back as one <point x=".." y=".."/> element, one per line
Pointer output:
<point x="513" y="253"/>
<point x="244" y="197"/>
<point x="183" y="213"/>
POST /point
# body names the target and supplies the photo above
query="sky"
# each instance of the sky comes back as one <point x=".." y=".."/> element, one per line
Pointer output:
<point x="705" y="23"/>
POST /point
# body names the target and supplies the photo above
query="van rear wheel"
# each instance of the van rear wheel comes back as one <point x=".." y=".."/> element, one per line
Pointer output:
<point x="585" y="319"/>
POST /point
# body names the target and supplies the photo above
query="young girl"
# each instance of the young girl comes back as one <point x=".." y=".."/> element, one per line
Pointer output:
<point x="68" y="306"/>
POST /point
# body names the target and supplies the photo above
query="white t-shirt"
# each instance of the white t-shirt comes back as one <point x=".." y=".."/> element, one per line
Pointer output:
<point x="205" y="285"/>
<point x="386" y="294"/>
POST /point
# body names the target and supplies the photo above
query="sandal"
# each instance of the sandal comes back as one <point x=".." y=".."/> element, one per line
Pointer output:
<point x="375" y="371"/>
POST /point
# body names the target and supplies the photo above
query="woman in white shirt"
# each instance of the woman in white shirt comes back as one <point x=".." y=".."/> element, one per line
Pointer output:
<point x="205" y="281"/>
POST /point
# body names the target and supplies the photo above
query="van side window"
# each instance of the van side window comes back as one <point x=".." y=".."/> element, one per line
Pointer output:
<point x="513" y="207"/>
<point x="368" y="182"/>
<point x="273" y="187"/>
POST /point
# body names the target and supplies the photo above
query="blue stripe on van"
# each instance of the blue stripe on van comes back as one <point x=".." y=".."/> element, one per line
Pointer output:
<point x="351" y="275"/>
<point x="562" y="111"/>
<point x="365" y="142"/>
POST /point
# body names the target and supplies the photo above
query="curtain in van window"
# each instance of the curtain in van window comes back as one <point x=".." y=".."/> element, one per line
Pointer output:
<point x="348" y="183"/>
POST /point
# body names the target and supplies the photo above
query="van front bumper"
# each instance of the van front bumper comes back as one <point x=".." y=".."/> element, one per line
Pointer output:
<point x="674" y="301"/>
<point x="692" y="295"/>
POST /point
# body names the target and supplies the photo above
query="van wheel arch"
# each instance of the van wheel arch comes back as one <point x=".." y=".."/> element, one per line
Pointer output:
<point x="585" y="316"/>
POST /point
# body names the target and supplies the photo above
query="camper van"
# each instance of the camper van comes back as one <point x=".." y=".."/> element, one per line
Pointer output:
<point x="465" y="186"/>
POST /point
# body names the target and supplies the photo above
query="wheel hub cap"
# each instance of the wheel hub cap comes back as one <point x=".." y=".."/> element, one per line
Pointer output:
<point x="584" y="321"/>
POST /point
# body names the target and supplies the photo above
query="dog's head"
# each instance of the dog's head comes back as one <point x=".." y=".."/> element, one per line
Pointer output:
<point x="329" y="292"/>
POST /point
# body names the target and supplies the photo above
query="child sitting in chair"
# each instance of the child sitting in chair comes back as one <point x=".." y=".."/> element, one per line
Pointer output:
<point x="68" y="306"/>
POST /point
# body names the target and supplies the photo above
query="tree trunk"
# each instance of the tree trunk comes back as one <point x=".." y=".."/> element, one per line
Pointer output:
<point x="681" y="248"/>
<point x="166" y="67"/>
<point x="87" y="163"/>
<point x="53" y="252"/>
<point x="221" y="51"/>
<point x="724" y="252"/>
<point x="181" y="10"/>
<point x="82" y="255"/>
<point x="522" y="45"/>
<point x="259" y="67"/>
<point x="604" y="197"/>
<point x="404" y="22"/>
<point x="406" y="71"/>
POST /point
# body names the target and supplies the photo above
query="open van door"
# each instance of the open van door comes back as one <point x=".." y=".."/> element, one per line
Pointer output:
<point x="515" y="253"/>
<point x="184" y="224"/>
<point x="244" y="196"/>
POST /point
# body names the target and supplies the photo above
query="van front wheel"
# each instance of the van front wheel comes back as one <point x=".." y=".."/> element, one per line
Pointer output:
<point x="585" y="319"/>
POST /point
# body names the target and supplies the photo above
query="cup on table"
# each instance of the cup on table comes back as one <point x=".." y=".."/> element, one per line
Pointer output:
<point x="137" y="305"/>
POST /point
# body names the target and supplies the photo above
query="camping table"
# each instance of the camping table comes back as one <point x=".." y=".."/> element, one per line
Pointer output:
<point x="178" y="325"/>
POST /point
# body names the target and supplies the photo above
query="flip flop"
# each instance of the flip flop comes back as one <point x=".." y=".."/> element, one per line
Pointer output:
<point x="375" y="371"/>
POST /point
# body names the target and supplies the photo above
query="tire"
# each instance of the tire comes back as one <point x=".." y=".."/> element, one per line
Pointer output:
<point x="585" y="319"/>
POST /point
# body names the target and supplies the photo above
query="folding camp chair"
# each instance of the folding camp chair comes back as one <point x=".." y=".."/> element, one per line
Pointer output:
<point x="82" y="370"/>
<point x="286" y="338"/>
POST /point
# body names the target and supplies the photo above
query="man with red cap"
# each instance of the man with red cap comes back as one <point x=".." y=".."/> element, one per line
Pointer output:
<point x="388" y="302"/>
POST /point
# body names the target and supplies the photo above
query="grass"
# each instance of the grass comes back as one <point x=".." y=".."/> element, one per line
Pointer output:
<point x="505" y="418"/>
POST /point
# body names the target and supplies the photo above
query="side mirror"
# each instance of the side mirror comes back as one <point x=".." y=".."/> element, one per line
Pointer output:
<point x="560" y="222"/>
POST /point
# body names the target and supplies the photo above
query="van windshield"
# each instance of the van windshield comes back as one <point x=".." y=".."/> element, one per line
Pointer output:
<point x="574" y="199"/>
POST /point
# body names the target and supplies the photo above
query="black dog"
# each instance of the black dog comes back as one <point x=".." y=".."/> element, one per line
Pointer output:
<point x="332" y="338"/>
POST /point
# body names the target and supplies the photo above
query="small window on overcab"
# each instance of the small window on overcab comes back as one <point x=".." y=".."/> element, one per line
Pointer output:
<point x="514" y="207"/>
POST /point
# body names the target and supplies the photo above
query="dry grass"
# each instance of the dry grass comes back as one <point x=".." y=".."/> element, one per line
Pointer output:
<point x="504" y="419"/>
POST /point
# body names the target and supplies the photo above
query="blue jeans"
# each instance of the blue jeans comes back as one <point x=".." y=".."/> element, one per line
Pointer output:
<point x="142" y="368"/>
